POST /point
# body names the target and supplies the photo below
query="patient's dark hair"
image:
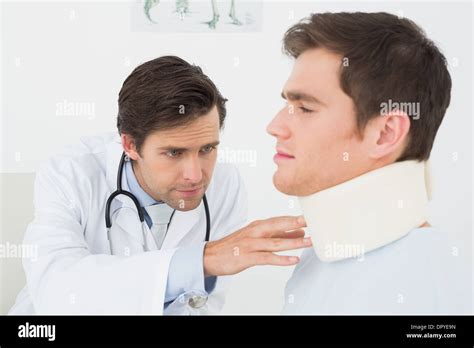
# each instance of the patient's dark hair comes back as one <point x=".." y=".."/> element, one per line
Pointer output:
<point x="389" y="58"/>
<point x="164" y="93"/>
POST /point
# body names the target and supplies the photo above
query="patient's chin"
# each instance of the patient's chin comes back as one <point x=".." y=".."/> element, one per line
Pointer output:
<point x="295" y="186"/>
<point x="284" y="185"/>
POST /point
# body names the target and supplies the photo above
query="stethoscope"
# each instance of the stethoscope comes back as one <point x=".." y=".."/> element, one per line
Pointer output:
<point x="120" y="191"/>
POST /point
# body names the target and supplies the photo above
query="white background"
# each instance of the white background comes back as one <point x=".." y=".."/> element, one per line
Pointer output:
<point x="82" y="51"/>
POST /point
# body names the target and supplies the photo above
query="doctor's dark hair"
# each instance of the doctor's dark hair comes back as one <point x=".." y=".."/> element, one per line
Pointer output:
<point x="165" y="93"/>
<point x="385" y="59"/>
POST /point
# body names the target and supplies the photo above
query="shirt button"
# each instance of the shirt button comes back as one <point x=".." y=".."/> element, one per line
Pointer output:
<point x="197" y="301"/>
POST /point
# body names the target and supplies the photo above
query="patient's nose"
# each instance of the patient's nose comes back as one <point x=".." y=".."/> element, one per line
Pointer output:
<point x="278" y="127"/>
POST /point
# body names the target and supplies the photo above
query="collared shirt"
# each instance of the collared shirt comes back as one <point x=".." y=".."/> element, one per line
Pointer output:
<point x="186" y="270"/>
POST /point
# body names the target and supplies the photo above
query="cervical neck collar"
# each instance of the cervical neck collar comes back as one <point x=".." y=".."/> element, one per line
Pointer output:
<point x="369" y="211"/>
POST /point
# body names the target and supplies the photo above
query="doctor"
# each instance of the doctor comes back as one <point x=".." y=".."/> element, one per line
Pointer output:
<point x="154" y="258"/>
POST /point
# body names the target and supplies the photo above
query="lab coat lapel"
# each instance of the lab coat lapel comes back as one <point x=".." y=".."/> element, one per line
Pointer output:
<point x="127" y="231"/>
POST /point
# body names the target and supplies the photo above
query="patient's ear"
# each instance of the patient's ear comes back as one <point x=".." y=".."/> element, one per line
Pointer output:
<point x="388" y="135"/>
<point x="128" y="144"/>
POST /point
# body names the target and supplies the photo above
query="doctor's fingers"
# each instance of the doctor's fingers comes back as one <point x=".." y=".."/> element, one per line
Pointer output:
<point x="268" y="258"/>
<point x="268" y="227"/>
<point x="289" y="234"/>
<point x="278" y="244"/>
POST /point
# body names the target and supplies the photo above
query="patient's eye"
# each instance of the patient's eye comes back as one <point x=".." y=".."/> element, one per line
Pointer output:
<point x="305" y="110"/>
<point x="292" y="107"/>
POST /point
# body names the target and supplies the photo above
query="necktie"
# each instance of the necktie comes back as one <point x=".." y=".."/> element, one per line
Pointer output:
<point x="160" y="215"/>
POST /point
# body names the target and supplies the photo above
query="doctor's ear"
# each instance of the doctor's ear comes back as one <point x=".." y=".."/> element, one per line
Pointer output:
<point x="388" y="135"/>
<point x="128" y="144"/>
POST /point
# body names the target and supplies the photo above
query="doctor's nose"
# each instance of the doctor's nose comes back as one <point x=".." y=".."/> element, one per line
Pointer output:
<point x="278" y="127"/>
<point x="192" y="170"/>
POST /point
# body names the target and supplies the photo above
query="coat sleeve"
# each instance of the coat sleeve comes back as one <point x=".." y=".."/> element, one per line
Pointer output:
<point x="230" y="208"/>
<point x="66" y="278"/>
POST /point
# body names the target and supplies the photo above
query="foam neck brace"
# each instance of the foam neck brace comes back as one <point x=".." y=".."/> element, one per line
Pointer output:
<point x="369" y="211"/>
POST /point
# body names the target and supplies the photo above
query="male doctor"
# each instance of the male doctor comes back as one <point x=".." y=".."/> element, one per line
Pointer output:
<point x="169" y="119"/>
<point x="366" y="96"/>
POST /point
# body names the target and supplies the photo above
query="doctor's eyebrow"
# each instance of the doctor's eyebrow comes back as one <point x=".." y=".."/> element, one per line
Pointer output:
<point x="183" y="149"/>
<point x="301" y="96"/>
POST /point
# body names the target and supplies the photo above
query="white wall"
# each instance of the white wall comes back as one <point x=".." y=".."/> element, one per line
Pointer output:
<point x="81" y="52"/>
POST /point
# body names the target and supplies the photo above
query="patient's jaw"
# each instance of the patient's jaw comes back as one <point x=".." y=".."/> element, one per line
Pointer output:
<point x="317" y="129"/>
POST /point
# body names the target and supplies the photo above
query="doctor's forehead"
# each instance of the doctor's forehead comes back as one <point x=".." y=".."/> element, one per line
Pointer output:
<point x="202" y="131"/>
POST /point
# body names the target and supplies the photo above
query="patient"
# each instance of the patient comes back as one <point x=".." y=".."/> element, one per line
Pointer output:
<point x="365" y="98"/>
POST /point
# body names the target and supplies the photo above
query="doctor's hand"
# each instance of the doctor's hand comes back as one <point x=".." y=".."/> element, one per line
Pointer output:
<point x="255" y="244"/>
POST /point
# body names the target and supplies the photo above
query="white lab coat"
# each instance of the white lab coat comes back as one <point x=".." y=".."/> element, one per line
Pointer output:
<point x="75" y="272"/>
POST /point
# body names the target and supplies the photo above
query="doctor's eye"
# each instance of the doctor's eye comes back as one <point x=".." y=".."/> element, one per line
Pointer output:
<point x="173" y="153"/>
<point x="207" y="149"/>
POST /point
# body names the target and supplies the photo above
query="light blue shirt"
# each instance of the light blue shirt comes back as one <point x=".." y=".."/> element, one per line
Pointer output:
<point x="186" y="270"/>
<point x="424" y="272"/>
